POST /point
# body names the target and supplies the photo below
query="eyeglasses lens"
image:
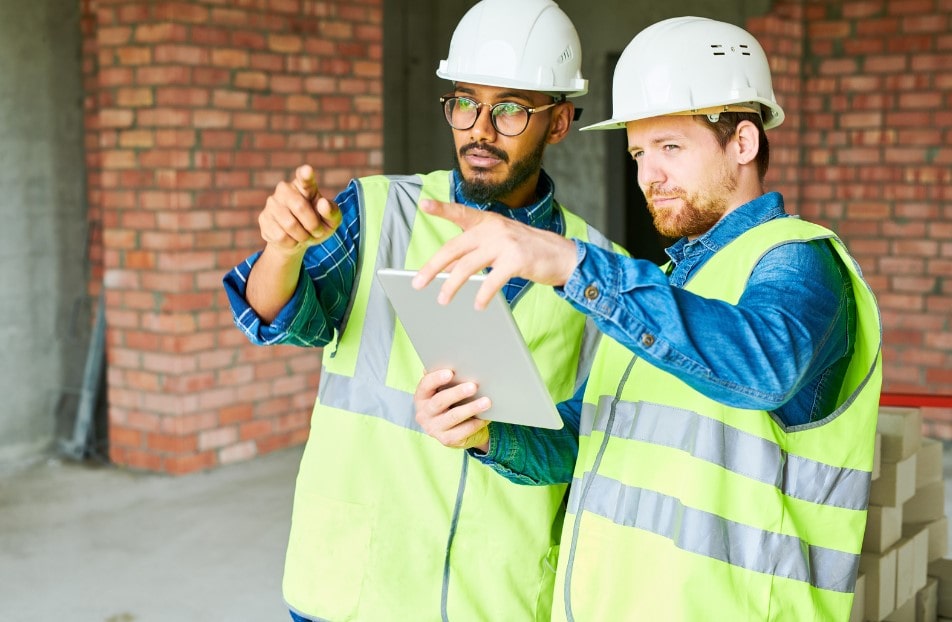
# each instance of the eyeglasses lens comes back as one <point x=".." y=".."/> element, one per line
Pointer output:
<point x="508" y="118"/>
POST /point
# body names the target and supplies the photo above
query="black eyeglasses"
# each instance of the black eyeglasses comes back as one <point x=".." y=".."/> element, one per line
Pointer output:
<point x="509" y="118"/>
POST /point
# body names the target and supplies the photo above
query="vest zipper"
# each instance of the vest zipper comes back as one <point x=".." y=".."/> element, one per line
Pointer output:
<point x="567" y="589"/>
<point x="444" y="597"/>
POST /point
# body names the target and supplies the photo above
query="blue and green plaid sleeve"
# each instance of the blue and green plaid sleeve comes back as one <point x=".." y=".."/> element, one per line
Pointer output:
<point x="315" y="311"/>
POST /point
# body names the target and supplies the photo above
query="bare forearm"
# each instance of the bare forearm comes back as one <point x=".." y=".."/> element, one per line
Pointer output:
<point x="272" y="282"/>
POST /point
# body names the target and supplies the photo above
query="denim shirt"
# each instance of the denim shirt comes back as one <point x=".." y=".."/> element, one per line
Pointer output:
<point x="317" y="307"/>
<point x="784" y="347"/>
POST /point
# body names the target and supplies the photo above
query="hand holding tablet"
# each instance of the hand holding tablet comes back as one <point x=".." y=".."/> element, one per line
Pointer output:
<point x="481" y="346"/>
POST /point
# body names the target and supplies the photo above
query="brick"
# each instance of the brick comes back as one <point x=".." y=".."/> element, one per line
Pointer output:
<point x="181" y="12"/>
<point x="236" y="59"/>
<point x="247" y="40"/>
<point x="905" y="612"/>
<point x="252" y="80"/>
<point x="180" y="53"/>
<point x="159" y="32"/>
<point x="211" y="36"/>
<point x="237" y="453"/>
<point x="938" y="536"/>
<point x="211" y="119"/>
<point x="896" y="483"/>
<point x="941" y="569"/>
<point x="287" y="84"/>
<point x="340" y="30"/>
<point x="229" y="17"/>
<point x="182" y="465"/>
<point x="211" y="76"/>
<point x="880" y="583"/>
<point x="858" y="611"/>
<point x="272" y="63"/>
<point x="884" y="526"/>
<point x="927" y="601"/>
<point x="284" y="43"/>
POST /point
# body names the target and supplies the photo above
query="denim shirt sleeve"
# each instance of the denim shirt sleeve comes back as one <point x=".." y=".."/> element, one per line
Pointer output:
<point x="536" y="456"/>
<point x="787" y="327"/>
<point x="315" y="311"/>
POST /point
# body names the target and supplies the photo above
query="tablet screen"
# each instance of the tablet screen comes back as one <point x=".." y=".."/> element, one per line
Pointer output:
<point x="483" y="346"/>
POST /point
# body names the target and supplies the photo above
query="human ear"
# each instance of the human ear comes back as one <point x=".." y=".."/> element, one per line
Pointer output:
<point x="561" y="122"/>
<point x="746" y="142"/>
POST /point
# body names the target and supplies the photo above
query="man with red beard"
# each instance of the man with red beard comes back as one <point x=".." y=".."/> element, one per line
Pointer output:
<point x="724" y="447"/>
<point x="388" y="524"/>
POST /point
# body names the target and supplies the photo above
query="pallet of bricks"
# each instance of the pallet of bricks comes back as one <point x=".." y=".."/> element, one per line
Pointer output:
<point x="904" y="573"/>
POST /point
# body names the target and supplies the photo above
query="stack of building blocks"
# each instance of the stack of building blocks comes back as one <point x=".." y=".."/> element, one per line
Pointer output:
<point x="904" y="575"/>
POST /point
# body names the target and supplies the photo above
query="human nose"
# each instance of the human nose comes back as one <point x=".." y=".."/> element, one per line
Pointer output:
<point x="649" y="173"/>
<point x="483" y="128"/>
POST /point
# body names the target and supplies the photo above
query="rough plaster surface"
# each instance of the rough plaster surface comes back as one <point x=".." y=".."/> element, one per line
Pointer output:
<point x="42" y="231"/>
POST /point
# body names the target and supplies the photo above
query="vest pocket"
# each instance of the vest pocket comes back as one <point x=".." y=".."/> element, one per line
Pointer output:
<point x="547" y="585"/>
<point x="328" y="552"/>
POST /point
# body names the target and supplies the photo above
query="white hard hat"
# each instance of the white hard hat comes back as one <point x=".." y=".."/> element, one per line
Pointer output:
<point x="691" y="65"/>
<point x="523" y="44"/>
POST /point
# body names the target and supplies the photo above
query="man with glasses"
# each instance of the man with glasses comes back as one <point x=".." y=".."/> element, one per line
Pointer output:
<point x="387" y="523"/>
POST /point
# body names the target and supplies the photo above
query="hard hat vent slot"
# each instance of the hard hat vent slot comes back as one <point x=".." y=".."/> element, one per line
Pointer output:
<point x="719" y="49"/>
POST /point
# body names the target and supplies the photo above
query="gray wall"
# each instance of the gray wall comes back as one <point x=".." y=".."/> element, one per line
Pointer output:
<point x="43" y="310"/>
<point x="417" y="138"/>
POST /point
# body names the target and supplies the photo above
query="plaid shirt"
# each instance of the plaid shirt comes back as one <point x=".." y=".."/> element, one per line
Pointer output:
<point x="317" y="307"/>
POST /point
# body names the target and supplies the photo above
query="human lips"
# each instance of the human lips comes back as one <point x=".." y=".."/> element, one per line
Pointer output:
<point x="662" y="198"/>
<point x="482" y="158"/>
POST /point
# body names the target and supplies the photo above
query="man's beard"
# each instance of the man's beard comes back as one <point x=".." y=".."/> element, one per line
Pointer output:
<point x="699" y="212"/>
<point x="481" y="192"/>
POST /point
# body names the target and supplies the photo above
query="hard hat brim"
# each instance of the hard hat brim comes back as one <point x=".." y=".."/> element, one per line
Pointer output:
<point x="577" y="88"/>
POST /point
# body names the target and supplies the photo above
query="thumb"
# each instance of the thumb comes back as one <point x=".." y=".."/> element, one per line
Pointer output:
<point x="305" y="182"/>
<point x="464" y="217"/>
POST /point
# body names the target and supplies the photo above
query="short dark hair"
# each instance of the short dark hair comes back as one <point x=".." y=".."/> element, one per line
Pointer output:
<point x="726" y="125"/>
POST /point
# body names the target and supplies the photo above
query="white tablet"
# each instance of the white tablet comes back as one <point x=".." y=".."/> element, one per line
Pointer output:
<point x="484" y="346"/>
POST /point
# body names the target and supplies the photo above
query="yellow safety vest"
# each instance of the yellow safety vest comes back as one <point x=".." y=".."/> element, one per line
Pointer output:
<point x="387" y="523"/>
<point x="685" y="509"/>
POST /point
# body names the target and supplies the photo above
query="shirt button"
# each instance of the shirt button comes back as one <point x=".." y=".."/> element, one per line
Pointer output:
<point x="647" y="340"/>
<point x="591" y="292"/>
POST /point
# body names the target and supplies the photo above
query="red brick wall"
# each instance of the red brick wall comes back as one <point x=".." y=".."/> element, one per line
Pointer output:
<point x="869" y="156"/>
<point x="195" y="110"/>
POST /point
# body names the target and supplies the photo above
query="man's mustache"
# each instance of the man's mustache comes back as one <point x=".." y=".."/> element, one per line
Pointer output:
<point x="495" y="151"/>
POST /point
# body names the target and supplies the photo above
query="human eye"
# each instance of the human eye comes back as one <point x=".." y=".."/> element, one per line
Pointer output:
<point x="465" y="104"/>
<point x="508" y="109"/>
<point x="636" y="153"/>
<point x="670" y="147"/>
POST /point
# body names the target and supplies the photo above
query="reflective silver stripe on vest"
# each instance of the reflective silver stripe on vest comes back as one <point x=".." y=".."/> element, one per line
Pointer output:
<point x="707" y="534"/>
<point x="366" y="392"/>
<point x="368" y="396"/>
<point x="737" y="451"/>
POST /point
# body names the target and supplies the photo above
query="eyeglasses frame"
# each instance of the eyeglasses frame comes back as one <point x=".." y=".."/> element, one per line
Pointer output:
<point x="492" y="119"/>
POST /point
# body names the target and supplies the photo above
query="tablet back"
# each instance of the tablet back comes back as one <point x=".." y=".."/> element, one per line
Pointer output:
<point x="482" y="346"/>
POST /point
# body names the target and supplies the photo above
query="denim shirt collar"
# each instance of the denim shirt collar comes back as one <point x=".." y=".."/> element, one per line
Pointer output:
<point x="538" y="214"/>
<point x="765" y="207"/>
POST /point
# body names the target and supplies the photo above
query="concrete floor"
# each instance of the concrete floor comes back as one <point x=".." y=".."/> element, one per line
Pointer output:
<point x="99" y="544"/>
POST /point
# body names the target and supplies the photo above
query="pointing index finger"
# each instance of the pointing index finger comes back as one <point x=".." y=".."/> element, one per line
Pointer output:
<point x="305" y="182"/>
